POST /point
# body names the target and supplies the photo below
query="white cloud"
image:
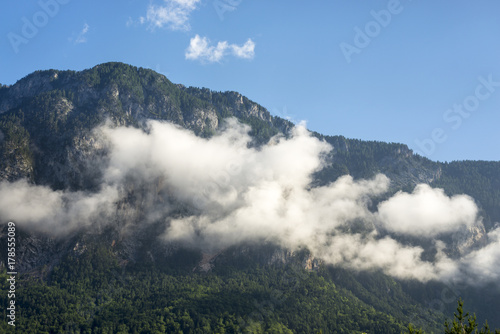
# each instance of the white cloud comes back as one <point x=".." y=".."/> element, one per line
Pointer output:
<point x="200" y="49"/>
<point x="82" y="36"/>
<point x="427" y="212"/>
<point x="386" y="254"/>
<point x="253" y="195"/>
<point x="230" y="193"/>
<point x="129" y="22"/>
<point x="173" y="14"/>
<point x="40" y="208"/>
<point x="482" y="265"/>
<point x="247" y="50"/>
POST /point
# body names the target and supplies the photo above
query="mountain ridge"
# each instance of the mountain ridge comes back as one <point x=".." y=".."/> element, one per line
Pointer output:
<point x="47" y="121"/>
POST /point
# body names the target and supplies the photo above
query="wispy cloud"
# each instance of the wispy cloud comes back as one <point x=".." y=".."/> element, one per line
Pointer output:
<point x="230" y="194"/>
<point x="246" y="51"/>
<point x="82" y="36"/>
<point x="200" y="49"/>
<point x="130" y="22"/>
<point x="173" y="14"/>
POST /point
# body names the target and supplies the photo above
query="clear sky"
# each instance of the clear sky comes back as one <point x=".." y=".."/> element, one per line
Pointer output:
<point x="424" y="73"/>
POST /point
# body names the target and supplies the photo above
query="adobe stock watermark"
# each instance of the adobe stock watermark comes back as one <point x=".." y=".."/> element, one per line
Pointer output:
<point x="455" y="115"/>
<point x="222" y="6"/>
<point x="11" y="267"/>
<point x="372" y="29"/>
<point x="283" y="113"/>
<point x="220" y="183"/>
<point x="31" y="26"/>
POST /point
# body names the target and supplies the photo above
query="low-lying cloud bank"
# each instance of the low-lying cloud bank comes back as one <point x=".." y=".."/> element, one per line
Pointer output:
<point x="232" y="193"/>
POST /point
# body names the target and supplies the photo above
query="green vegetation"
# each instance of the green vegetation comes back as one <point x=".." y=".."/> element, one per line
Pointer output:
<point x="93" y="293"/>
<point x="462" y="324"/>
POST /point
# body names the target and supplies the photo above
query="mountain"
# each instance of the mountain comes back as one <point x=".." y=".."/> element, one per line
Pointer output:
<point x="104" y="265"/>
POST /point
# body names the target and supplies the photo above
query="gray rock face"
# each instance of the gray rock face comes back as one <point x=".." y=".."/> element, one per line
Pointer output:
<point x="469" y="239"/>
<point x="263" y="255"/>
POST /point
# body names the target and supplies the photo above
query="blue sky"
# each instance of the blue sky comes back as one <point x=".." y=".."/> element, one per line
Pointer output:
<point x="423" y="73"/>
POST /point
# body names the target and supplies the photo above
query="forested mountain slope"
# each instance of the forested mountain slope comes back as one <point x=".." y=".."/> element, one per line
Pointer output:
<point x="114" y="278"/>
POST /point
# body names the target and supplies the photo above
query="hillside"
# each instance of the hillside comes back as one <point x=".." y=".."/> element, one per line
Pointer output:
<point x="106" y="265"/>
